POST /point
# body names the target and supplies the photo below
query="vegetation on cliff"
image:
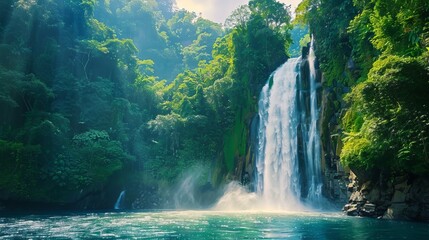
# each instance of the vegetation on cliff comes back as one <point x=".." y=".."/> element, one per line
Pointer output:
<point x="379" y="48"/>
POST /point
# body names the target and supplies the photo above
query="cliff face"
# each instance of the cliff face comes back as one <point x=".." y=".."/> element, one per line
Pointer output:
<point x="395" y="197"/>
<point x="336" y="176"/>
<point x="367" y="193"/>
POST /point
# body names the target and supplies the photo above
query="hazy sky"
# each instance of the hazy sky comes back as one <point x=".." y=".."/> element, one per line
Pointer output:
<point x="219" y="10"/>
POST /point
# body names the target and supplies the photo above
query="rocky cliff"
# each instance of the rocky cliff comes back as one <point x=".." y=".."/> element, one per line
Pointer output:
<point x="395" y="197"/>
<point x="367" y="193"/>
<point x="336" y="176"/>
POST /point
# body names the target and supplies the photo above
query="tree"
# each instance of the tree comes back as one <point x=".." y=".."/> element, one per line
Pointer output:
<point x="238" y="18"/>
<point x="275" y="14"/>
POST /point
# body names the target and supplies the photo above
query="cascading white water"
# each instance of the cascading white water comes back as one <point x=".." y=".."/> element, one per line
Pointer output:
<point x="288" y="158"/>
<point x="277" y="157"/>
<point x="313" y="157"/>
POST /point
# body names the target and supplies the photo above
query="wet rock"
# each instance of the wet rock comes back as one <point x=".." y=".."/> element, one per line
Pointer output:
<point x="412" y="211"/>
<point x="369" y="207"/>
<point x="368" y="210"/>
<point x="399" y="197"/>
<point x="350" y="187"/>
<point x="390" y="198"/>
<point x="357" y="197"/>
<point x="353" y="211"/>
<point x="373" y="195"/>
<point x="395" y="211"/>
<point x="348" y="206"/>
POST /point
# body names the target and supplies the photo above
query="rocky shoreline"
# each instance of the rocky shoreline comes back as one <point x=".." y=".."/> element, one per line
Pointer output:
<point x="402" y="198"/>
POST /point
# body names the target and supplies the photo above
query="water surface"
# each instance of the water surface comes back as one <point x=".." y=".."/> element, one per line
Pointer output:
<point x="206" y="225"/>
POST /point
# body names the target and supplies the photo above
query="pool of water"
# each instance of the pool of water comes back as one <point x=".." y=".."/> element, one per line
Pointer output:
<point x="206" y="225"/>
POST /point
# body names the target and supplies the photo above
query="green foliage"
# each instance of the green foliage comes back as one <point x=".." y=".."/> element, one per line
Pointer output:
<point x="235" y="141"/>
<point x="357" y="152"/>
<point x="363" y="53"/>
<point x="99" y="157"/>
<point x="173" y="40"/>
<point x="18" y="172"/>
<point x="394" y="102"/>
<point x="379" y="48"/>
<point x="275" y="14"/>
<point x="89" y="137"/>
<point x="328" y="21"/>
<point x="238" y="18"/>
<point x="68" y="98"/>
<point x="300" y="38"/>
<point x="5" y="12"/>
<point x="305" y="40"/>
<point x="399" y="26"/>
<point x="352" y="121"/>
<point x="90" y="88"/>
<point x="208" y="107"/>
<point x="90" y="159"/>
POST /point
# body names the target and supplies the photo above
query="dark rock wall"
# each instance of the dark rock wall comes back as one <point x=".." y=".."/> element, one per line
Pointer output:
<point x="332" y="108"/>
<point x="397" y="197"/>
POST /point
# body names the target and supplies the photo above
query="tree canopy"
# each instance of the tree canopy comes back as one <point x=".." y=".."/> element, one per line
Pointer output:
<point x="98" y="92"/>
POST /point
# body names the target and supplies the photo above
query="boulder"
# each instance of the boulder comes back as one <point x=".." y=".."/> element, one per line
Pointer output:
<point x="348" y="206"/>
<point x="350" y="187"/>
<point x="353" y="211"/>
<point x="373" y="195"/>
<point x="368" y="210"/>
<point x="396" y="211"/>
<point x="357" y="197"/>
<point x="369" y="207"/>
<point x="399" y="197"/>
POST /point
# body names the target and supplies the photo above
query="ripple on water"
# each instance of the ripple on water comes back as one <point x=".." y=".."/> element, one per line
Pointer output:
<point x="206" y="225"/>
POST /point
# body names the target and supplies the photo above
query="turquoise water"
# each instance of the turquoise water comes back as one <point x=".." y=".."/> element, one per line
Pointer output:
<point x="206" y="225"/>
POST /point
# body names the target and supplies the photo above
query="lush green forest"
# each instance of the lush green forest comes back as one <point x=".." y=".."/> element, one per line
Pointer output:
<point x="97" y="93"/>
<point x="379" y="49"/>
<point x="116" y="93"/>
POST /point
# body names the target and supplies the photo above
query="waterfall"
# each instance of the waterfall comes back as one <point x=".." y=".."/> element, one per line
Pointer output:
<point x="277" y="156"/>
<point x="119" y="200"/>
<point x="313" y="150"/>
<point x="288" y="156"/>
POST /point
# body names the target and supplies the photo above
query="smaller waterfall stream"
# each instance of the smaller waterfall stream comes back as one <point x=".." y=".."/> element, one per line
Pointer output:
<point x="312" y="138"/>
<point x="119" y="200"/>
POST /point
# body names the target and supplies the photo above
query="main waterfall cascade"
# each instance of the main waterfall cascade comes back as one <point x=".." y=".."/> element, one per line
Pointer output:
<point x="289" y="174"/>
<point x="288" y="158"/>
<point x="277" y="155"/>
